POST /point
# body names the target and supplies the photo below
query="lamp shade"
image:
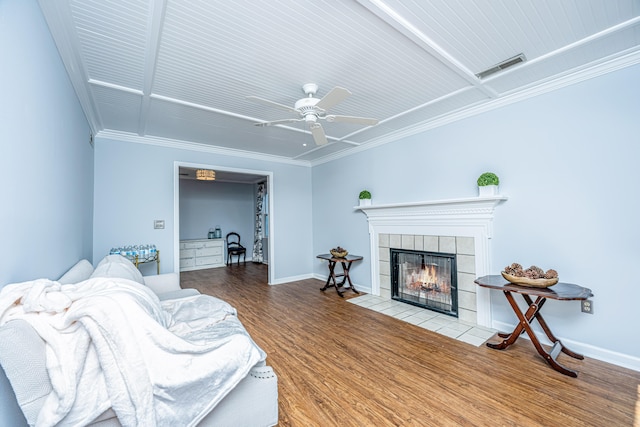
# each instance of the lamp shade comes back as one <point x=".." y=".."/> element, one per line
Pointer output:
<point x="205" y="175"/>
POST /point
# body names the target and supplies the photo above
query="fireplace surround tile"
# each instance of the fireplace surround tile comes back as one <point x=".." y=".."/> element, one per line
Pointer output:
<point x="466" y="263"/>
<point x="467" y="300"/>
<point x="447" y="244"/>
<point x="385" y="268"/>
<point x="430" y="243"/>
<point x="383" y="253"/>
<point x="466" y="282"/>
<point x="418" y="243"/>
<point x="465" y="245"/>
<point x="467" y="315"/>
<point x="407" y="241"/>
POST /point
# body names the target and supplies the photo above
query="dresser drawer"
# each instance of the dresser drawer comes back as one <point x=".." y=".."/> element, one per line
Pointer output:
<point x="187" y="262"/>
<point x="209" y="260"/>
<point x="191" y="245"/>
<point x="213" y="244"/>
<point x="208" y="251"/>
<point x="187" y="253"/>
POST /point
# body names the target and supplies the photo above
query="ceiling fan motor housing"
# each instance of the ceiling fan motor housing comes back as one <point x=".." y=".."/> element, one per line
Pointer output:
<point x="307" y="109"/>
<point x="306" y="104"/>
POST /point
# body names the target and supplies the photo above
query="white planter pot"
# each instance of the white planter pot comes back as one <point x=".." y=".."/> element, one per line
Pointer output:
<point x="365" y="202"/>
<point x="487" y="190"/>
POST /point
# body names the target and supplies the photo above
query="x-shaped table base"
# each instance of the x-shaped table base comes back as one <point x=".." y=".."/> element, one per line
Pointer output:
<point x="559" y="291"/>
<point x="524" y="325"/>
<point x="346" y="266"/>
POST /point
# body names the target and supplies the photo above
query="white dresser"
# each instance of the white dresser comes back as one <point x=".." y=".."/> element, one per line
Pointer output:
<point x="201" y="253"/>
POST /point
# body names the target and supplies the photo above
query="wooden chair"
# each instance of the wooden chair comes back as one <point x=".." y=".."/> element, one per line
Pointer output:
<point x="235" y="248"/>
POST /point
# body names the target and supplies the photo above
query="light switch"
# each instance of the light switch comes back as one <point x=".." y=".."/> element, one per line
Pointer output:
<point x="158" y="224"/>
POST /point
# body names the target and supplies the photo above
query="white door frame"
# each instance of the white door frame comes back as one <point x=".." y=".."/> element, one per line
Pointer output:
<point x="176" y="209"/>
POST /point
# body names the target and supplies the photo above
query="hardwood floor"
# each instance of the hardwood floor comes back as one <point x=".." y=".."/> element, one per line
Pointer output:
<point x="339" y="364"/>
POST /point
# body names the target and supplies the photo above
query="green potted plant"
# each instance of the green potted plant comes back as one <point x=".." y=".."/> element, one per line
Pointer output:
<point x="488" y="184"/>
<point x="365" y="198"/>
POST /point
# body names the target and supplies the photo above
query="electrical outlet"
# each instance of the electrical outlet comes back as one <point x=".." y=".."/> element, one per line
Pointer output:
<point x="587" y="306"/>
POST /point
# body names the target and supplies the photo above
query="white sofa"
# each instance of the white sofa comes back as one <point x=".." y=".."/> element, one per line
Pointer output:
<point x="252" y="402"/>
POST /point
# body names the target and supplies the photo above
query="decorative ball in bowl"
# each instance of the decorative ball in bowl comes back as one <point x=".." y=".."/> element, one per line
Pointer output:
<point x="339" y="252"/>
<point x="536" y="283"/>
<point x="532" y="276"/>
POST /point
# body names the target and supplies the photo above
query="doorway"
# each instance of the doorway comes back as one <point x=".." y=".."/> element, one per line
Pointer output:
<point x="230" y="176"/>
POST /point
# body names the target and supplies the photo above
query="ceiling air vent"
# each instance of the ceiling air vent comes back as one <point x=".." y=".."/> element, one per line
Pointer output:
<point x="502" y="66"/>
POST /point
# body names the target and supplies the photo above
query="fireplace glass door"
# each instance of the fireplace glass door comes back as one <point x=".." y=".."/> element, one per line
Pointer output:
<point x="425" y="279"/>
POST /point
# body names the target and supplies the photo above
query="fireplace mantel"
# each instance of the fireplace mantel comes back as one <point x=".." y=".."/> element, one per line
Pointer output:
<point x="465" y="217"/>
<point x="472" y="206"/>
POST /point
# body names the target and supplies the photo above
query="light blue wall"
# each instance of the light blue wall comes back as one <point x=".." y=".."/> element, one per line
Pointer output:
<point x="568" y="160"/>
<point x="134" y="184"/>
<point x="207" y="204"/>
<point x="46" y="162"/>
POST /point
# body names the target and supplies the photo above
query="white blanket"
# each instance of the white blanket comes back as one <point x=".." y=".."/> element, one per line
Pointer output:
<point x="112" y="343"/>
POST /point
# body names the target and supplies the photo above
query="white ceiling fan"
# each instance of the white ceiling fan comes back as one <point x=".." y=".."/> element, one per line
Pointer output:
<point x="311" y="110"/>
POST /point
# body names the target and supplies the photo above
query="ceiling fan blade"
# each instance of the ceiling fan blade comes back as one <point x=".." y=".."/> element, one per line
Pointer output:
<point x="278" y="122"/>
<point x="318" y="134"/>
<point x="351" y="119"/>
<point x="271" y="103"/>
<point x="335" y="95"/>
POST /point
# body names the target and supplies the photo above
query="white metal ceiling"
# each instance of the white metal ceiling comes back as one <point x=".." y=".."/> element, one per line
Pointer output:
<point x="182" y="69"/>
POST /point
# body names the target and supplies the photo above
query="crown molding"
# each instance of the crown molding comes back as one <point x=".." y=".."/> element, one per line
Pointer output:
<point x="580" y="75"/>
<point x="194" y="146"/>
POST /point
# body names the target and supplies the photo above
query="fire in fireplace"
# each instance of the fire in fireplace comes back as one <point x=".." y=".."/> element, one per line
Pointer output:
<point x="425" y="279"/>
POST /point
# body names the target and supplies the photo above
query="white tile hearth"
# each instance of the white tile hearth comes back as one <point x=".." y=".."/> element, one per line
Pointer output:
<point x="427" y="319"/>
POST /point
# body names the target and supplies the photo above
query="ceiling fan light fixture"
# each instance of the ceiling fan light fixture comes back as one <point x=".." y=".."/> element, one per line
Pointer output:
<point x="205" y="175"/>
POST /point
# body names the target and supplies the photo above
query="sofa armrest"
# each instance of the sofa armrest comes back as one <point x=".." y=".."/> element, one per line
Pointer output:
<point x="253" y="402"/>
<point x="163" y="283"/>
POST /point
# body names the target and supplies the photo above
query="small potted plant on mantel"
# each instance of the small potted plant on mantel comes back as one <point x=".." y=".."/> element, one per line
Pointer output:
<point x="365" y="198"/>
<point x="488" y="184"/>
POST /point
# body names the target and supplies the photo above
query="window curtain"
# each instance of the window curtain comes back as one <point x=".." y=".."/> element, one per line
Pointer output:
<point x="258" y="255"/>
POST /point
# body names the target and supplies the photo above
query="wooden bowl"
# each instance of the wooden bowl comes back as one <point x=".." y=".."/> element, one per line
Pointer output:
<point x="339" y="254"/>
<point x="525" y="281"/>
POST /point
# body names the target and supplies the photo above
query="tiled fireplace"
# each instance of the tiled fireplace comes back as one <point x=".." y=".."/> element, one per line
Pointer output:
<point x="462" y="227"/>
<point x="463" y="249"/>
<point x="427" y="279"/>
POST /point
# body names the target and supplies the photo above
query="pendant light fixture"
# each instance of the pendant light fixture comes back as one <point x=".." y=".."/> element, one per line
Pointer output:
<point x="205" y="175"/>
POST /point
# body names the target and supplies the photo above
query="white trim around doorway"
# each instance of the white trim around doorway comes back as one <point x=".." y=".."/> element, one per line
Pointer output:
<point x="176" y="209"/>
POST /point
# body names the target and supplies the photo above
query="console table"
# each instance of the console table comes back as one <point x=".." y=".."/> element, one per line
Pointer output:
<point x="559" y="291"/>
<point x="346" y="265"/>
<point x="138" y="259"/>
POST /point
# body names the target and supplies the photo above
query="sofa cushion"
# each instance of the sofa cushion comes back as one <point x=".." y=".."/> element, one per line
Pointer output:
<point x="117" y="266"/>
<point x="30" y="381"/>
<point x="82" y="270"/>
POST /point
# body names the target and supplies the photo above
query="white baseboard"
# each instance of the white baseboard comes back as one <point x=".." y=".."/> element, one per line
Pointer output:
<point x="588" y="350"/>
<point x="289" y="279"/>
